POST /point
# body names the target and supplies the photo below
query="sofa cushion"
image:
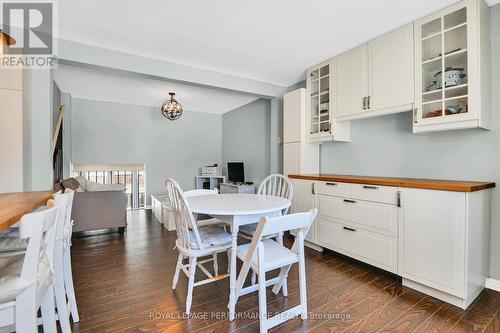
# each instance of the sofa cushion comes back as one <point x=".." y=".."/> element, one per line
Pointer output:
<point x="70" y="183"/>
<point x="96" y="187"/>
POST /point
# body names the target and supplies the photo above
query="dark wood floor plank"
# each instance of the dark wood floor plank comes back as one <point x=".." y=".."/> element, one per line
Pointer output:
<point x="123" y="284"/>
<point x="414" y="317"/>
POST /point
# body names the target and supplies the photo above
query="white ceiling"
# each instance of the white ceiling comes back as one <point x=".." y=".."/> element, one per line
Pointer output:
<point x="272" y="41"/>
<point x="113" y="87"/>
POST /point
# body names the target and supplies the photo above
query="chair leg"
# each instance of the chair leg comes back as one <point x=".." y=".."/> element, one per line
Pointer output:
<point x="177" y="270"/>
<point x="262" y="303"/>
<point x="285" y="280"/>
<point x="62" y="306"/>
<point x="26" y="312"/>
<point x="49" y="311"/>
<point x="228" y="261"/>
<point x="216" y="265"/>
<point x="302" y="283"/>
<point x="192" y="270"/>
<point x="68" y="283"/>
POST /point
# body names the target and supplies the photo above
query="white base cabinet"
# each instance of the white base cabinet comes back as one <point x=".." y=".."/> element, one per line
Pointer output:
<point x="302" y="201"/>
<point x="438" y="241"/>
<point x="444" y="243"/>
<point x="357" y="221"/>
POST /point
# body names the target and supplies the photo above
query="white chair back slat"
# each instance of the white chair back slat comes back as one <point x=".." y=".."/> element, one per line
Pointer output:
<point x="287" y="222"/>
<point x="183" y="216"/>
<point x="277" y="185"/>
<point x="39" y="228"/>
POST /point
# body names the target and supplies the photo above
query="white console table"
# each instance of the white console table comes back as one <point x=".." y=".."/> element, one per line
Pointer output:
<point x="214" y="181"/>
<point x="233" y="188"/>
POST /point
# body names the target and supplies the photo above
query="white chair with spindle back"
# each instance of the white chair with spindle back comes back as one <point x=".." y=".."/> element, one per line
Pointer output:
<point x="193" y="242"/>
<point x="26" y="284"/>
<point x="275" y="185"/>
<point x="263" y="255"/>
<point x="206" y="222"/>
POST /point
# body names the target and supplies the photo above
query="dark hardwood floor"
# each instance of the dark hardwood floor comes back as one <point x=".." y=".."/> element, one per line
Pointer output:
<point x="123" y="284"/>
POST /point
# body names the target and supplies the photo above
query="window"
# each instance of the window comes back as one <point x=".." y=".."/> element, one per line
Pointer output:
<point x="132" y="176"/>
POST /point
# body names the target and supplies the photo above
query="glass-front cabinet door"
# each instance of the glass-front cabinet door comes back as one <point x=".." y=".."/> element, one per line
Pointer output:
<point x="319" y="96"/>
<point x="447" y="72"/>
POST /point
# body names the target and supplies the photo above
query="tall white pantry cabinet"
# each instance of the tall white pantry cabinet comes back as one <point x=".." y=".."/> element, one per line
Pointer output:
<point x="299" y="157"/>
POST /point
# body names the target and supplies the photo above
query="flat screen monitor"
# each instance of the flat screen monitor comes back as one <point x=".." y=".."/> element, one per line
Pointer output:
<point x="235" y="172"/>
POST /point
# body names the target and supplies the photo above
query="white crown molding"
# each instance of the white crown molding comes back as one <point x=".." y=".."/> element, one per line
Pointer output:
<point x="491" y="3"/>
<point x="493" y="284"/>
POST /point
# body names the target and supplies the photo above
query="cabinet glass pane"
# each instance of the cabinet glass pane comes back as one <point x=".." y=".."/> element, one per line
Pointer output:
<point x="325" y="70"/>
<point x="431" y="28"/>
<point x="324" y="85"/>
<point x="314" y="88"/>
<point x="314" y="128"/>
<point x="315" y="75"/>
<point x="432" y="110"/>
<point x="324" y="126"/>
<point x="431" y="48"/>
<point x="456" y="18"/>
<point x="456" y="106"/>
<point x="455" y="40"/>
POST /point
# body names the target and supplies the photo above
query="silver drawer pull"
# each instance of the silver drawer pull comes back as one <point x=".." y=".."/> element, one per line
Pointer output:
<point x="331" y="184"/>
<point x="350" y="229"/>
<point x="369" y="187"/>
<point x="350" y="201"/>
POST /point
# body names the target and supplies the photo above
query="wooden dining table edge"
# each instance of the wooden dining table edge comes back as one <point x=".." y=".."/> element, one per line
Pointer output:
<point x="31" y="206"/>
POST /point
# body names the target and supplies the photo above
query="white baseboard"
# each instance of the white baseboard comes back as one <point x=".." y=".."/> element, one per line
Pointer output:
<point x="493" y="284"/>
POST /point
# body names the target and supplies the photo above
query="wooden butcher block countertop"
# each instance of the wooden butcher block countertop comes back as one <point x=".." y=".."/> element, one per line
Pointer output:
<point x="430" y="184"/>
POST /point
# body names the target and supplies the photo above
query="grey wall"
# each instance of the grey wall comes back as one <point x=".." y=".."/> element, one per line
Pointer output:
<point x="246" y="138"/>
<point x="386" y="147"/>
<point x="113" y="133"/>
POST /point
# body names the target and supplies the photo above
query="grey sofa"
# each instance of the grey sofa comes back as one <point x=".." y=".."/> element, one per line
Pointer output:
<point x="97" y="206"/>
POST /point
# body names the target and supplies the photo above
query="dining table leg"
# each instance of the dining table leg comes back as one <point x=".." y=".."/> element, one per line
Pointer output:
<point x="232" y="273"/>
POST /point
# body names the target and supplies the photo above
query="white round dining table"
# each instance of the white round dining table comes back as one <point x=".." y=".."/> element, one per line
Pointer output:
<point x="237" y="210"/>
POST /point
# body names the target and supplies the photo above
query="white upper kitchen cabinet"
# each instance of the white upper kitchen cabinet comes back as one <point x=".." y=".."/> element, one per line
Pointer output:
<point x="452" y="79"/>
<point x="321" y="96"/>
<point x="391" y="74"/>
<point x="351" y="82"/>
<point x="376" y="78"/>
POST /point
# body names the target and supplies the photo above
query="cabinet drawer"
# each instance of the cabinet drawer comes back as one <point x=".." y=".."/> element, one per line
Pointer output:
<point x="371" y="216"/>
<point x="334" y="188"/>
<point x="375" y="193"/>
<point x="372" y="248"/>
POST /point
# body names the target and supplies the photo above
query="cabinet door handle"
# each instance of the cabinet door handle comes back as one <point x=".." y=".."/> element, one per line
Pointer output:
<point x="331" y="184"/>
<point x="313" y="188"/>
<point x="364" y="103"/>
<point x="415" y="113"/>
<point x="350" y="201"/>
<point x="398" y="198"/>
<point x="350" y="229"/>
<point x="369" y="102"/>
<point x="369" y="187"/>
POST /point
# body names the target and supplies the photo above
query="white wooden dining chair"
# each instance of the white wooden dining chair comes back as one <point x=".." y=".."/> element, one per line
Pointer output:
<point x="63" y="280"/>
<point x="26" y="284"/>
<point x="275" y="185"/>
<point x="264" y="255"/>
<point x="206" y="222"/>
<point x="193" y="242"/>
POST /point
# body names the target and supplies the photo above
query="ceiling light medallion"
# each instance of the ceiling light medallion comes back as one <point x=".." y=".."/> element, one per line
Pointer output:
<point x="171" y="109"/>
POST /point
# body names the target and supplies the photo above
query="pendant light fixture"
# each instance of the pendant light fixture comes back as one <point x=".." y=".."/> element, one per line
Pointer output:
<point x="171" y="109"/>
